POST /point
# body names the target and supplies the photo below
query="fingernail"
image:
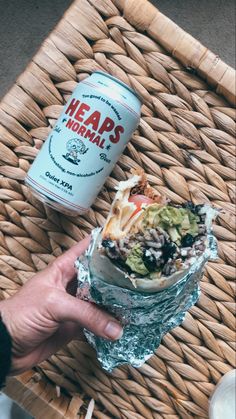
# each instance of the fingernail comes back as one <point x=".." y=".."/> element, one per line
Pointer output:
<point x="113" y="330"/>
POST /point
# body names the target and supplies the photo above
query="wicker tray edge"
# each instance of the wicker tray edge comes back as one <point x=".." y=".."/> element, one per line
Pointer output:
<point x="183" y="46"/>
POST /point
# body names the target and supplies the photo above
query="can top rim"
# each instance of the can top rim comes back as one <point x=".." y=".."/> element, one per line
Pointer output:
<point x="119" y="82"/>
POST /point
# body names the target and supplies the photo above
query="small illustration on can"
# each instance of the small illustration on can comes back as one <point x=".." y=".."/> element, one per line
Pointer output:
<point x="74" y="148"/>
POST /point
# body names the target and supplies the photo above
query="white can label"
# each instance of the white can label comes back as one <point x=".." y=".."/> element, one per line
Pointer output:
<point x="83" y="147"/>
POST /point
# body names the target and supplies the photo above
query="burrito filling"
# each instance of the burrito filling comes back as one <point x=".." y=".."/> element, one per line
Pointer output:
<point x="147" y="236"/>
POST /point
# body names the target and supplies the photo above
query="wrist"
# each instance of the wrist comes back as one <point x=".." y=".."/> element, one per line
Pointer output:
<point x="5" y="351"/>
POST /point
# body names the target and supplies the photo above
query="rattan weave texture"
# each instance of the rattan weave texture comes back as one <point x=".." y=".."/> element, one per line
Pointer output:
<point x="185" y="143"/>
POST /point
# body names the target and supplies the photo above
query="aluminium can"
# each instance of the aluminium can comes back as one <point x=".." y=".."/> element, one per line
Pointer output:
<point x="85" y="143"/>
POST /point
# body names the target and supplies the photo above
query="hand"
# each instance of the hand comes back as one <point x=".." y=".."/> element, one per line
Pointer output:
<point x="42" y="316"/>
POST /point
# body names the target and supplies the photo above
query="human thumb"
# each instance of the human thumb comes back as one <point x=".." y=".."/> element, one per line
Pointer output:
<point x="88" y="315"/>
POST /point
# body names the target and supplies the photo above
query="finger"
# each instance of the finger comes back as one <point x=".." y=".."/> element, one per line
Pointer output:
<point x="88" y="315"/>
<point x="65" y="263"/>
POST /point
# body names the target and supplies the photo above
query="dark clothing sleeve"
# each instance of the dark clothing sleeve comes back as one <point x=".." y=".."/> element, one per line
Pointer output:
<point x="5" y="353"/>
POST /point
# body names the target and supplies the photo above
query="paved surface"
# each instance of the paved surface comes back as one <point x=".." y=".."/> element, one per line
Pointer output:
<point x="25" y="23"/>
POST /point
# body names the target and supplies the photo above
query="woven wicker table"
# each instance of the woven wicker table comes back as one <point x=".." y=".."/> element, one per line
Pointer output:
<point x="185" y="142"/>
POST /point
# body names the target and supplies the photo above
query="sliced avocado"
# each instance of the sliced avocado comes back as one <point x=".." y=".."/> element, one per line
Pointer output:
<point x="135" y="260"/>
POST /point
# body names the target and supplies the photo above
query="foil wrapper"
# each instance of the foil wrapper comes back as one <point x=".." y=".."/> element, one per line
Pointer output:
<point x="146" y="318"/>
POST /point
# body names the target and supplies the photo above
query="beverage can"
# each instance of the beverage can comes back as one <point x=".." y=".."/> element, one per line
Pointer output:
<point x="85" y="143"/>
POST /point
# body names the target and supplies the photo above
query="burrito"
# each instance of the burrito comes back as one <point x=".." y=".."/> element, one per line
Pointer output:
<point x="149" y="243"/>
<point x="144" y="266"/>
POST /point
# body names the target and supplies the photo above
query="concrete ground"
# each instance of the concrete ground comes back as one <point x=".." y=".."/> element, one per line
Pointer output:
<point x="25" y="23"/>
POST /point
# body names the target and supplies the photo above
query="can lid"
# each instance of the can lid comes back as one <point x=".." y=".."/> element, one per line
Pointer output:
<point x="119" y="82"/>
